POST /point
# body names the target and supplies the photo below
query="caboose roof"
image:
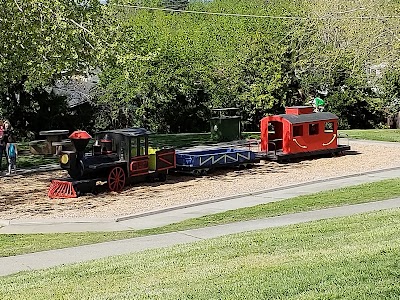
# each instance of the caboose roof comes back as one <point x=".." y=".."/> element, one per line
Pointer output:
<point x="306" y="118"/>
<point x="129" y="132"/>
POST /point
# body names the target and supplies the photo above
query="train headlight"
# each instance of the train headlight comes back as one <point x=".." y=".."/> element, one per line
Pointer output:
<point x="64" y="159"/>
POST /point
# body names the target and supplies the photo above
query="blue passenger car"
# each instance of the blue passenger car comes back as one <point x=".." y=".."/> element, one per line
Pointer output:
<point x="200" y="161"/>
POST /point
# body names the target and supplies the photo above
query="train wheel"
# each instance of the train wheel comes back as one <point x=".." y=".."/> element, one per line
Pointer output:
<point x="196" y="172"/>
<point x="116" y="179"/>
<point x="150" y="178"/>
<point x="162" y="176"/>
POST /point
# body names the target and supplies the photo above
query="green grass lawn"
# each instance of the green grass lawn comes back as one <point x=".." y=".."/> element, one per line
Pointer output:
<point x="192" y="139"/>
<point x="30" y="161"/>
<point x="387" y="135"/>
<point x="345" y="258"/>
<point x="180" y="140"/>
<point x="11" y="244"/>
<point x="157" y="141"/>
<point x="26" y="160"/>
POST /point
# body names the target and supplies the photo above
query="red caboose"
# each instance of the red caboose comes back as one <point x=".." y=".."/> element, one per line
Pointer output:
<point x="300" y="132"/>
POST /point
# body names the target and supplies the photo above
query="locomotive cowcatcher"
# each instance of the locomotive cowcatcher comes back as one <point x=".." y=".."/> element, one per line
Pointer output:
<point x="120" y="157"/>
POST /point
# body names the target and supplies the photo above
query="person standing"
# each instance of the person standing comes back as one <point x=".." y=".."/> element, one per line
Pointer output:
<point x="319" y="104"/>
<point x="2" y="144"/>
<point x="6" y="133"/>
<point x="12" y="153"/>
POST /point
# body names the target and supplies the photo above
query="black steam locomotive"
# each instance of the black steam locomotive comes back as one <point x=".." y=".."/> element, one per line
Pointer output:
<point x="118" y="156"/>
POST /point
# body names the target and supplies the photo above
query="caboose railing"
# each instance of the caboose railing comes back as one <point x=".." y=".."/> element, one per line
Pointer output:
<point x="273" y="143"/>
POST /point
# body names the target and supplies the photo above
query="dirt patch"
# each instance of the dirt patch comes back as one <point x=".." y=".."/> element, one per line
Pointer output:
<point x="25" y="196"/>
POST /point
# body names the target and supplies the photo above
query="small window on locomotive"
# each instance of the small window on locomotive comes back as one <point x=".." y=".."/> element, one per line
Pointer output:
<point x="134" y="147"/>
<point x="143" y="148"/>
<point x="297" y="130"/>
<point x="313" y="129"/>
<point x="329" y="126"/>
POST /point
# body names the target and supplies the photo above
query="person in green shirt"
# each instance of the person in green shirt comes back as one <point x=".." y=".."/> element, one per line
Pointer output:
<point x="319" y="104"/>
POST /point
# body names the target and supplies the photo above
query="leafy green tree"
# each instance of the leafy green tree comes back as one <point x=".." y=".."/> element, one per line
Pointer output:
<point x="31" y="112"/>
<point x="390" y="86"/>
<point x="40" y="39"/>
<point x="344" y="42"/>
<point x="348" y="96"/>
<point x="167" y="69"/>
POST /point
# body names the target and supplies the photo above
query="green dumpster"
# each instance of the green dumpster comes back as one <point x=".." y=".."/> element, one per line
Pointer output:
<point x="225" y="124"/>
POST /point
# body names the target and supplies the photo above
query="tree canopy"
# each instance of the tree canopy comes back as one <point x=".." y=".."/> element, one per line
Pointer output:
<point x="42" y="39"/>
<point x="165" y="69"/>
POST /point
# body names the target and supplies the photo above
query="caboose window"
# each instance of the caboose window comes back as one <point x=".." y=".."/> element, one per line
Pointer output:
<point x="313" y="129"/>
<point x="271" y="128"/>
<point x="298" y="130"/>
<point x="329" y="126"/>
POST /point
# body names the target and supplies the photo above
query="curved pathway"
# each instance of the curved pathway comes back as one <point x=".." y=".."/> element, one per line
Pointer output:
<point x="52" y="258"/>
<point x="46" y="259"/>
<point x="175" y="214"/>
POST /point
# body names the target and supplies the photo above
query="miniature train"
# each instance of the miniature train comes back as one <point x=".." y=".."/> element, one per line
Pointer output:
<point x="123" y="156"/>
<point x="298" y="133"/>
<point x="119" y="157"/>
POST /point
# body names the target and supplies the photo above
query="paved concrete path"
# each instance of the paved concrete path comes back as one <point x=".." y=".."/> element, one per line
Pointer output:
<point x="179" y="213"/>
<point x="46" y="259"/>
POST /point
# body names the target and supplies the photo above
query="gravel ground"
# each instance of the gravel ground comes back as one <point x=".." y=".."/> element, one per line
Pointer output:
<point x="25" y="196"/>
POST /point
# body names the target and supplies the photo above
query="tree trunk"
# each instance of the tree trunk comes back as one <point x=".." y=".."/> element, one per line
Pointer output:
<point x="397" y="120"/>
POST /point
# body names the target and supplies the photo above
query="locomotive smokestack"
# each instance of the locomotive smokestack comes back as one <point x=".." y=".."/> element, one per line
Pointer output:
<point x="80" y="139"/>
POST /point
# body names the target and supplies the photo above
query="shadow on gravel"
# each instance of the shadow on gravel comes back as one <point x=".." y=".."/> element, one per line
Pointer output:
<point x="352" y="152"/>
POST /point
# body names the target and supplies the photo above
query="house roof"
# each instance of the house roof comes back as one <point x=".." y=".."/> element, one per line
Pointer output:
<point x="76" y="89"/>
<point x="306" y="118"/>
<point x="129" y="132"/>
